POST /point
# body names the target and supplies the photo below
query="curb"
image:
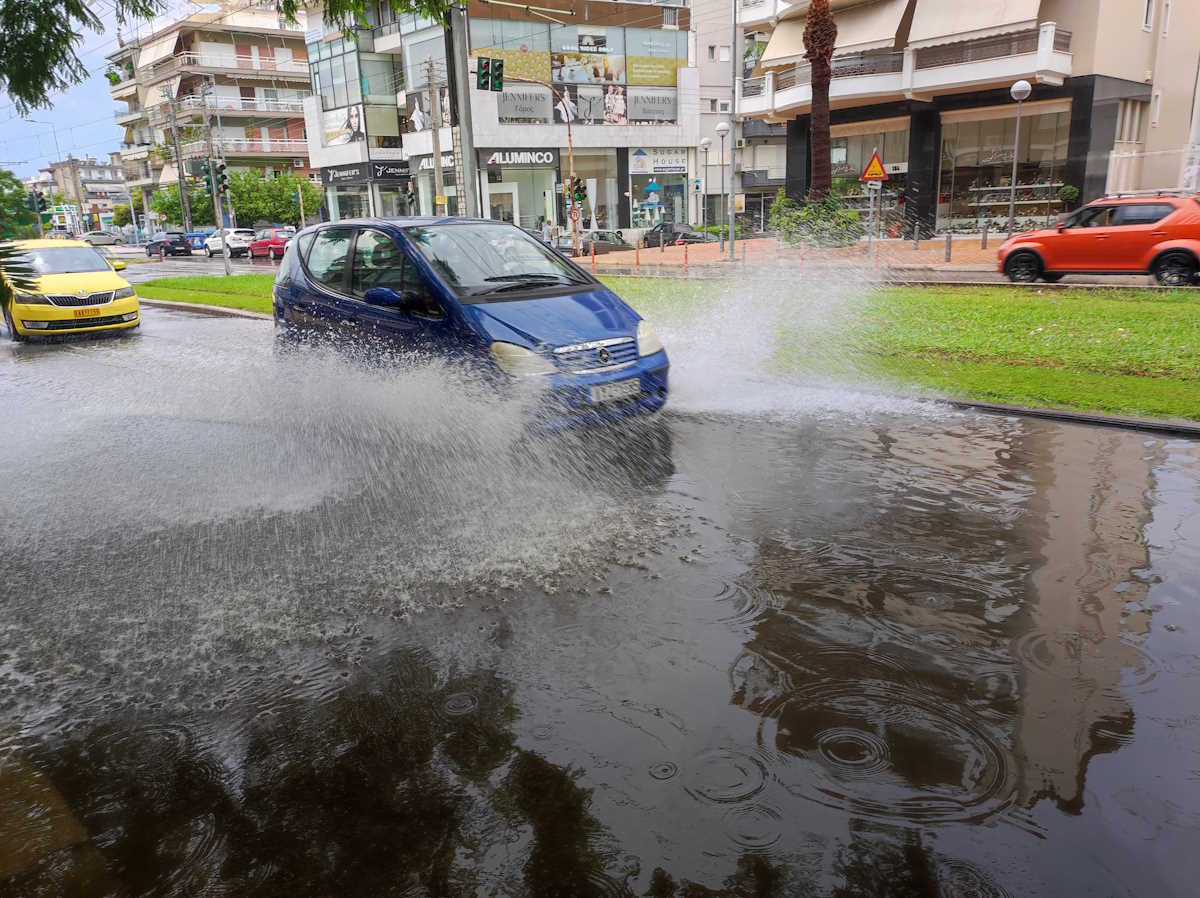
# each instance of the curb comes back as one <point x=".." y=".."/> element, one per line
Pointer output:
<point x="1171" y="428"/>
<point x="200" y="309"/>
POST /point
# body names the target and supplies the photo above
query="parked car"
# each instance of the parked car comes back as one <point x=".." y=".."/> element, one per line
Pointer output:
<point x="103" y="238"/>
<point x="672" y="233"/>
<point x="481" y="291"/>
<point x="78" y="291"/>
<point x="271" y="242"/>
<point x="169" y="243"/>
<point x="237" y="242"/>
<point x="1140" y="234"/>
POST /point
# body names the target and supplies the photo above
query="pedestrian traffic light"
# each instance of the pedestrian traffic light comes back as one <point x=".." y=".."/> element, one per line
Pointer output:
<point x="222" y="178"/>
<point x="41" y="201"/>
<point x="483" y="75"/>
<point x="497" y="74"/>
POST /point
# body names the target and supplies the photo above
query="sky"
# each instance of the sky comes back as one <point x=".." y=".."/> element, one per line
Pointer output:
<point x="82" y="115"/>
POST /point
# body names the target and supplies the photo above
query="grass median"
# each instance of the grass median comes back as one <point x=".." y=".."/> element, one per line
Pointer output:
<point x="1122" y="351"/>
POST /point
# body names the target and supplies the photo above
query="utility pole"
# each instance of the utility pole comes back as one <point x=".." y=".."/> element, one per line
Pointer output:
<point x="183" y="197"/>
<point x="212" y="177"/>
<point x="300" y="197"/>
<point x="212" y="81"/>
<point x="468" y="187"/>
<point x="435" y="119"/>
<point x="735" y="62"/>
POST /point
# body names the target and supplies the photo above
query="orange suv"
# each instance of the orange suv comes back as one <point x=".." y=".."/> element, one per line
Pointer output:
<point x="1155" y="234"/>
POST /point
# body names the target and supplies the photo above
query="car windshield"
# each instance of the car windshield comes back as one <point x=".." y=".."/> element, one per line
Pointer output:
<point x="66" y="260"/>
<point x="285" y="234"/>
<point x="481" y="262"/>
<point x="243" y="232"/>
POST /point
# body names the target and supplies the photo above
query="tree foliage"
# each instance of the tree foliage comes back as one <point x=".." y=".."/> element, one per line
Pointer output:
<point x="824" y="222"/>
<point x="257" y="198"/>
<point x="166" y="203"/>
<point x="16" y="218"/>
<point x="820" y="36"/>
<point x="348" y="15"/>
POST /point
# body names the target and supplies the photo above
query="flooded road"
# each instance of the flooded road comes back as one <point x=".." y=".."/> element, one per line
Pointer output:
<point x="280" y="626"/>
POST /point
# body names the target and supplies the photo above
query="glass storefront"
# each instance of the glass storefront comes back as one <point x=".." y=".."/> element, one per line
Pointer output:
<point x="849" y="154"/>
<point x="976" y="169"/>
<point x="423" y="184"/>
<point x="598" y="170"/>
<point x="658" y="197"/>
<point x="522" y="196"/>
<point x="392" y="200"/>
<point x="347" y="201"/>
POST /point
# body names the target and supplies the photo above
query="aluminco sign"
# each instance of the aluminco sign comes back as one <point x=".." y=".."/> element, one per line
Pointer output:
<point x="525" y="158"/>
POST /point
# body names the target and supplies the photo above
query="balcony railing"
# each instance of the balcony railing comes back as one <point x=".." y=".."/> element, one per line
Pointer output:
<point x="1016" y="44"/>
<point x="129" y="115"/>
<point x="248" y="146"/>
<point x="232" y="105"/>
<point x="754" y="87"/>
<point x="227" y="61"/>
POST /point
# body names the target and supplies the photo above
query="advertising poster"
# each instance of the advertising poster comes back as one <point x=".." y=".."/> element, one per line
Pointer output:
<point x="416" y="107"/>
<point x="342" y="126"/>
<point x="650" y="105"/>
<point x="591" y="104"/>
<point x="520" y="62"/>
<point x="588" y="55"/>
<point x="652" y="56"/>
<point x="526" y="104"/>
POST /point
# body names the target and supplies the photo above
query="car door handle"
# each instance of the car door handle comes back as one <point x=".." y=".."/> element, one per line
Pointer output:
<point x="1103" y="236"/>
<point x="1158" y="233"/>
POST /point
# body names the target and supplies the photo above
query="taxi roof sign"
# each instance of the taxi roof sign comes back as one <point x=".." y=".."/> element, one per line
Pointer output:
<point x="874" y="170"/>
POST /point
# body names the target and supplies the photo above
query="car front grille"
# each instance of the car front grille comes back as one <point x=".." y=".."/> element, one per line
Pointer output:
<point x="69" y="300"/>
<point x="597" y="355"/>
<point x="74" y="323"/>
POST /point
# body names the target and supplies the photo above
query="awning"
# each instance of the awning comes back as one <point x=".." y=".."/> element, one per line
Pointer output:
<point x="786" y="46"/>
<point x="168" y="175"/>
<point x="157" y="50"/>
<point x="872" y="26"/>
<point x="950" y="21"/>
<point x="171" y="85"/>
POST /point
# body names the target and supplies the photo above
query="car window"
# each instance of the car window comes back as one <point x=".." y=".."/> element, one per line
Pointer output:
<point x="1141" y="213"/>
<point x="327" y="258"/>
<point x="378" y="262"/>
<point x="66" y="260"/>
<point x="1094" y="217"/>
<point x="423" y="300"/>
<point x="304" y="243"/>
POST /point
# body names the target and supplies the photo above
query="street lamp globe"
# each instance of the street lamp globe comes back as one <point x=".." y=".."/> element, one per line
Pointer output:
<point x="705" y="143"/>
<point x="1020" y="91"/>
<point x="722" y="128"/>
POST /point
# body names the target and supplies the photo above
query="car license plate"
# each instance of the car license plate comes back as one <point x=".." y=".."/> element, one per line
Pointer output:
<point x="614" y="392"/>
<point x="87" y="313"/>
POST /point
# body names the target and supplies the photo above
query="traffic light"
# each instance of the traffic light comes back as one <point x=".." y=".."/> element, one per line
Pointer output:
<point x="222" y="178"/>
<point x="577" y="190"/>
<point x="497" y="74"/>
<point x="483" y="75"/>
<point x="41" y="201"/>
<point x="31" y="201"/>
<point x="208" y="179"/>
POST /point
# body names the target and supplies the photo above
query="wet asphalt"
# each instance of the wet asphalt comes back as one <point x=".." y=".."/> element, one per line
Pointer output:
<point x="287" y="625"/>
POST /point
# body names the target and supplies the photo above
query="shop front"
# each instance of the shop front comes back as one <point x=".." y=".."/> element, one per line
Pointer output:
<point x="658" y="185"/>
<point x="392" y="188"/>
<point x="975" y="180"/>
<point x="518" y="185"/>
<point x="423" y="184"/>
<point x="347" y="190"/>
<point x="601" y="195"/>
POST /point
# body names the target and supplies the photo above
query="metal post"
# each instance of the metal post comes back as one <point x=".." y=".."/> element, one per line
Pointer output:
<point x="462" y="94"/>
<point x="721" y="225"/>
<point x="983" y="244"/>
<point x="212" y="79"/>
<point x="1012" y="188"/>
<point x="300" y="197"/>
<point x="917" y="234"/>
<point x="137" y="232"/>
<point x="735" y="60"/>
<point x="704" y="198"/>
<point x="184" y="205"/>
<point x="947" y="246"/>
<point x="212" y="178"/>
<point x="435" y="119"/>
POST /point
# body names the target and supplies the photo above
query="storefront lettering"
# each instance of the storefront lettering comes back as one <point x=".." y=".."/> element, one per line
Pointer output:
<point x="523" y="157"/>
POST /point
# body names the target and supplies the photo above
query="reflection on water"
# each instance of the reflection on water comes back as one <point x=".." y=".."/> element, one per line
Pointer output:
<point x="906" y="655"/>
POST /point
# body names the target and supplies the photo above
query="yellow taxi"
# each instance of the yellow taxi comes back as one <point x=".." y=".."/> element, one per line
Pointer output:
<point x="78" y="291"/>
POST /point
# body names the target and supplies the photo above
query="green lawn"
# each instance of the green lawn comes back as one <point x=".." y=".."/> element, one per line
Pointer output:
<point x="1133" y="352"/>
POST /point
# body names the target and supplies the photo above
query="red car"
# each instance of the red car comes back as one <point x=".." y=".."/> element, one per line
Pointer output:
<point x="271" y="242"/>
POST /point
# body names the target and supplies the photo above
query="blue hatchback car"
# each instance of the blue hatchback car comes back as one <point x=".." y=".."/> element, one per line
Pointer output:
<point x="481" y="290"/>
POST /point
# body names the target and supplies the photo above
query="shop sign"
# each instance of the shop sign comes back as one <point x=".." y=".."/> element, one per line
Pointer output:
<point x="425" y="163"/>
<point x="658" y="160"/>
<point x="896" y="168"/>
<point x="519" y="158"/>
<point x="526" y="104"/>
<point x="593" y="42"/>
<point x="354" y="173"/>
<point x="651" y="105"/>
<point x="389" y="171"/>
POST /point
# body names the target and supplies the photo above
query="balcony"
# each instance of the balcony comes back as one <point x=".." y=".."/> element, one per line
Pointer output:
<point x="762" y="12"/>
<point x="134" y="151"/>
<point x="248" y="146"/>
<point x="762" y="178"/>
<point x="1042" y="56"/>
<point x="124" y="89"/>
<point x="129" y="117"/>
<point x="228" y="63"/>
<point x="234" y="107"/>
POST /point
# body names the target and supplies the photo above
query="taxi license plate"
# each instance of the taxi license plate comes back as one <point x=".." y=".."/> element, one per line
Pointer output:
<point x="614" y="392"/>
<point x="87" y="313"/>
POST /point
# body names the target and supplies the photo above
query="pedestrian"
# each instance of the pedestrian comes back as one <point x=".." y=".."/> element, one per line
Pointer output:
<point x="547" y="233"/>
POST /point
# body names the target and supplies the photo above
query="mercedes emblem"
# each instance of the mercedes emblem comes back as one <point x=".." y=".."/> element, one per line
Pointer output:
<point x="603" y="356"/>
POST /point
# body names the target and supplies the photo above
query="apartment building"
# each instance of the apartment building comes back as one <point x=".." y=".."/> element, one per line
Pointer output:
<point x="926" y="83"/>
<point x="242" y="63"/>
<point x="92" y="185"/>
<point x="621" y="74"/>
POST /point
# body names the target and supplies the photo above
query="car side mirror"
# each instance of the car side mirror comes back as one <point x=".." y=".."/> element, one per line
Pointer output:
<point x="385" y="296"/>
<point x="117" y="265"/>
<point x="1062" y="225"/>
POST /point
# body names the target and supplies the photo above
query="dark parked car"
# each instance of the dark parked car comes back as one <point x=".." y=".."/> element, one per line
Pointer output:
<point x="604" y="241"/>
<point x="673" y="233"/>
<point x="171" y="243"/>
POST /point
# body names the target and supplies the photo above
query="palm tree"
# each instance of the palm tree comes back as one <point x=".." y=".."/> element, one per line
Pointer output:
<point x="820" y="34"/>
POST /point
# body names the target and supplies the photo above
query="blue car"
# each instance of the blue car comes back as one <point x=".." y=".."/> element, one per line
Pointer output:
<point x="479" y="290"/>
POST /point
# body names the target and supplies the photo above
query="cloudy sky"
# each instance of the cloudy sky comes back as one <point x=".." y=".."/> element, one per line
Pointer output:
<point x="82" y="115"/>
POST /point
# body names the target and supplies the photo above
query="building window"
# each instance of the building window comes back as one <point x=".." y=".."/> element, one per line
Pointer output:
<point x="724" y="54"/>
<point x="1148" y="15"/>
<point x="712" y="105"/>
<point x="1155" y="104"/>
<point x="1166" y="17"/>
<point x="712" y="52"/>
<point x="725" y="107"/>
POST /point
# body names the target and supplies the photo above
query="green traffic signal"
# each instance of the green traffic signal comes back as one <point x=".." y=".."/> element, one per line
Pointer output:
<point x="483" y="75"/>
<point x="497" y="74"/>
<point x="41" y="201"/>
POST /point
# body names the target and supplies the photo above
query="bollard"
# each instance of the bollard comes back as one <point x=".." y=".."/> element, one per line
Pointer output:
<point x="662" y="241"/>
<point x="743" y="253"/>
<point x="917" y="236"/>
<point x="593" y="246"/>
<point x="947" y="246"/>
<point x="685" y="259"/>
<point x="637" y="254"/>
<point x="985" y="230"/>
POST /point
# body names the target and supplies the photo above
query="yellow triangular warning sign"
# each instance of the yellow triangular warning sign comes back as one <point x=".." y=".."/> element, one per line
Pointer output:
<point x="874" y="170"/>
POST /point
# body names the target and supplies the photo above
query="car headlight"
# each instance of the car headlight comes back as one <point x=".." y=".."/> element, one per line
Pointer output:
<point x="647" y="340"/>
<point x="123" y="293"/>
<point x="33" y="299"/>
<point x="519" y="361"/>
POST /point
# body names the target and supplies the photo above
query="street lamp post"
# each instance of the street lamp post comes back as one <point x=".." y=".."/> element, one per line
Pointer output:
<point x="1019" y="92"/>
<point x="705" y="144"/>
<point x="722" y="129"/>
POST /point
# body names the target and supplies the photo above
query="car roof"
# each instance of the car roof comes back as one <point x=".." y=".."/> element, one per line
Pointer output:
<point x="42" y="244"/>
<point x="1120" y="200"/>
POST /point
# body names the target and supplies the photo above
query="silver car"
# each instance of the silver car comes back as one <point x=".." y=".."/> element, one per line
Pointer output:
<point x="102" y="238"/>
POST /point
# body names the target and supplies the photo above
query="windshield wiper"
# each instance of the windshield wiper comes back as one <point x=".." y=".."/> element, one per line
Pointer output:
<point x="524" y="281"/>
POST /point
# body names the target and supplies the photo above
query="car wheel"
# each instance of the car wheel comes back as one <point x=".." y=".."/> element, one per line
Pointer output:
<point x="12" y="328"/>
<point x="208" y="251"/>
<point x="1052" y="277"/>
<point x="1023" y="267"/>
<point x="1175" y="269"/>
<point x="149" y="253"/>
<point x="271" y="254"/>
